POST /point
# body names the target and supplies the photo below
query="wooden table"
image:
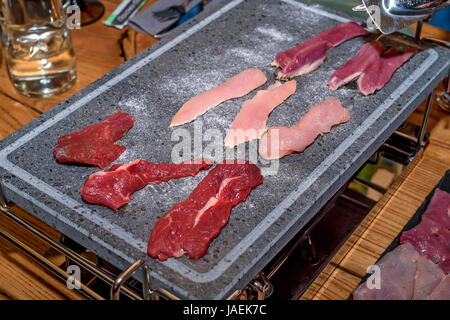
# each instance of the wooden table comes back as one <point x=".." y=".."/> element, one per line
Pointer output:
<point x="100" y="49"/>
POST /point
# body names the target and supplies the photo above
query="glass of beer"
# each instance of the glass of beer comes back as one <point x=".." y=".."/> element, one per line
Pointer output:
<point x="39" y="54"/>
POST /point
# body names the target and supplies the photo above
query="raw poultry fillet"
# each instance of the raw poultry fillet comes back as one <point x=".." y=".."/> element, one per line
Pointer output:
<point x="235" y="87"/>
<point x="431" y="237"/>
<point x="190" y="226"/>
<point x="114" y="187"/>
<point x="251" y="122"/>
<point x="310" y="54"/>
<point x="94" y="145"/>
<point x="372" y="67"/>
<point x="404" y="275"/>
<point x="281" y="141"/>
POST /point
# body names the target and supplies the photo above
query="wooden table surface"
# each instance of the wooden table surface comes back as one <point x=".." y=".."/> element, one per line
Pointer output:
<point x="100" y="49"/>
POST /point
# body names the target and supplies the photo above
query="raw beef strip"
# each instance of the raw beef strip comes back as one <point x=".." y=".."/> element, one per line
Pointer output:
<point x="397" y="271"/>
<point x="308" y="55"/>
<point x="368" y="54"/>
<point x="281" y="141"/>
<point x="190" y="226"/>
<point x="235" y="87"/>
<point x="377" y="74"/>
<point x="251" y="122"/>
<point x="114" y="187"/>
<point x="442" y="291"/>
<point x="431" y="237"/>
<point x="334" y="36"/>
<point x="428" y="276"/>
<point x="94" y="145"/>
<point x="439" y="208"/>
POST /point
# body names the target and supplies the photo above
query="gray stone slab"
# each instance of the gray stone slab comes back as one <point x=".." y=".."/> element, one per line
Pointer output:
<point x="232" y="36"/>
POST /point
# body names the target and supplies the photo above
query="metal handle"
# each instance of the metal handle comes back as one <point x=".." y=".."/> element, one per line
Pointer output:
<point x="127" y="274"/>
<point x="262" y="286"/>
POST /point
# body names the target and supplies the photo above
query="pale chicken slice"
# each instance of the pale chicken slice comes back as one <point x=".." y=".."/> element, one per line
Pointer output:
<point x="251" y="122"/>
<point x="281" y="141"/>
<point x="235" y="87"/>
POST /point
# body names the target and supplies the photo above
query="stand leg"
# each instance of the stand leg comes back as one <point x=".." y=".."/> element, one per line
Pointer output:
<point x="423" y="127"/>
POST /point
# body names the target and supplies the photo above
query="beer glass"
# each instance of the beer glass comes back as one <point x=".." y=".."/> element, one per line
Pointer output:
<point x="39" y="54"/>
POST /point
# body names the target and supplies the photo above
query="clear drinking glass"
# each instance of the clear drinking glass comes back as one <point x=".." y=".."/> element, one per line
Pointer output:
<point x="39" y="54"/>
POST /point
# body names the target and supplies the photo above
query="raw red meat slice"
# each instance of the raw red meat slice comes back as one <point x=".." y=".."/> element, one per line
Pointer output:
<point x="428" y="276"/>
<point x="397" y="271"/>
<point x="94" y="145"/>
<point x="377" y="74"/>
<point x="190" y="226"/>
<point x="431" y="237"/>
<point x="320" y="43"/>
<point x="305" y="61"/>
<point x="235" y="87"/>
<point x="281" y="141"/>
<point x="251" y="122"/>
<point x="368" y="54"/>
<point x="114" y="187"/>
<point x="442" y="291"/>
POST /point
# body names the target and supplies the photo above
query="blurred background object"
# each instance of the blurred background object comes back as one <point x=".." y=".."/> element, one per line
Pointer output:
<point x="40" y="58"/>
<point x="443" y="98"/>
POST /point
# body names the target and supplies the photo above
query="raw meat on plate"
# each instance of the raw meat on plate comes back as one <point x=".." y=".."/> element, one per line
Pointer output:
<point x="427" y="278"/>
<point x="94" y="145"/>
<point x="190" y="226"/>
<point x="235" y="87"/>
<point x="397" y="271"/>
<point x="442" y="290"/>
<point x="372" y="67"/>
<point x="310" y="54"/>
<point x="114" y="187"/>
<point x="251" y="122"/>
<point x="281" y="141"/>
<point x="404" y="275"/>
<point x="368" y="54"/>
<point x="431" y="237"/>
<point x="377" y="74"/>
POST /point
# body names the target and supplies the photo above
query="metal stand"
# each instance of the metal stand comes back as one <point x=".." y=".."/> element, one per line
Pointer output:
<point x="423" y="127"/>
